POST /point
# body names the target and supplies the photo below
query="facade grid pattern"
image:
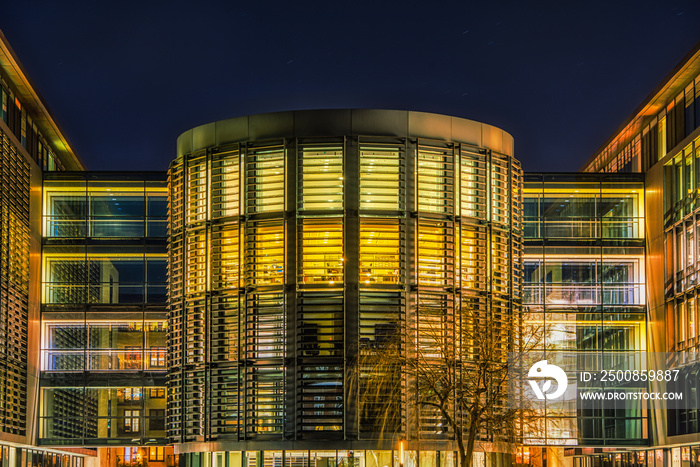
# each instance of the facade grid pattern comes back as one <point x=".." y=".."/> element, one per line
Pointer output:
<point x="14" y="286"/>
<point x="348" y="246"/>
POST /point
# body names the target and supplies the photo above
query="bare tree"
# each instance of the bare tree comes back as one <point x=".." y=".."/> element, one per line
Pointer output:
<point x="453" y="375"/>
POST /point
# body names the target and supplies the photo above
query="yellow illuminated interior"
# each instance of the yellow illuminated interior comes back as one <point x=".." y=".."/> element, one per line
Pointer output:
<point x="196" y="209"/>
<point x="225" y="184"/>
<point x="322" y="252"/>
<point x="226" y="265"/>
<point x="472" y="258"/>
<point x="265" y="181"/>
<point x="321" y="178"/>
<point x="434" y="175"/>
<point x="380" y="178"/>
<point x="265" y="254"/>
<point x="472" y="184"/>
<point x="380" y="246"/>
<point x="433" y="259"/>
<point x="196" y="270"/>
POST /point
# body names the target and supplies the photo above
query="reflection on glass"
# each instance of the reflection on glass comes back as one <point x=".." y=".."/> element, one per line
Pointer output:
<point x="583" y="213"/>
<point x="102" y="345"/>
<point x="104" y="212"/>
<point x="94" y="279"/>
<point x="102" y="413"/>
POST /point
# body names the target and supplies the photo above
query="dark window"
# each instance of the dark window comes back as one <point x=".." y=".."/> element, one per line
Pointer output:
<point x="156" y="419"/>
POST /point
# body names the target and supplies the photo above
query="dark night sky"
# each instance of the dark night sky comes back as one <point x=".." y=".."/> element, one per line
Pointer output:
<point x="124" y="79"/>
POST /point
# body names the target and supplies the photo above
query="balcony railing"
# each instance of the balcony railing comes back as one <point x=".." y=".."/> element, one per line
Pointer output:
<point x="103" y="360"/>
<point x="583" y="227"/>
<point x="566" y="294"/>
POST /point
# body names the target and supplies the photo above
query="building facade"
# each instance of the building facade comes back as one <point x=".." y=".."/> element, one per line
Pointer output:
<point x="584" y="291"/>
<point x="302" y="244"/>
<point x="233" y="311"/>
<point x="82" y="297"/>
<point x="30" y="143"/>
<point x="659" y="140"/>
<point x="103" y="315"/>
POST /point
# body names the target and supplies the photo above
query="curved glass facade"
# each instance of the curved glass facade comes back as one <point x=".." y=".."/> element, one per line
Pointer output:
<point x="295" y="249"/>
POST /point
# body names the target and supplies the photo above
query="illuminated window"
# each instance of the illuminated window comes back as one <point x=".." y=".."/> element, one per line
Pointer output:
<point x="131" y="455"/>
<point x="472" y="257"/>
<point x="3" y="106"/>
<point x="132" y="358"/>
<point x="265" y="179"/>
<point x="472" y="189"/>
<point x="176" y="197"/>
<point x="225" y="184"/>
<point x="662" y="137"/>
<point x="265" y="326"/>
<point x="156" y="453"/>
<point x="265" y="253"/>
<point x="321" y="176"/>
<point x="435" y="250"/>
<point x="434" y="174"/>
<point x="118" y="278"/>
<point x="157" y="358"/>
<point x="322" y="252"/>
<point x="132" y="421"/>
<point x="196" y="263"/>
<point x="265" y="399"/>
<point x="381" y="243"/>
<point x="226" y="262"/>
<point x="381" y="178"/>
<point x="500" y="194"/>
<point x="129" y="394"/>
<point x="500" y="261"/>
<point x="196" y="190"/>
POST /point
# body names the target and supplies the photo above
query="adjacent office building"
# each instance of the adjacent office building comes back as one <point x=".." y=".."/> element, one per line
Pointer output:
<point x="82" y="297"/>
<point x="230" y="311"/>
<point x="30" y="144"/>
<point x="103" y="314"/>
<point x="661" y="140"/>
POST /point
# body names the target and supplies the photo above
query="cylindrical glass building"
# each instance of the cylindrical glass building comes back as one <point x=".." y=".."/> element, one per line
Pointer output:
<point x="301" y="242"/>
